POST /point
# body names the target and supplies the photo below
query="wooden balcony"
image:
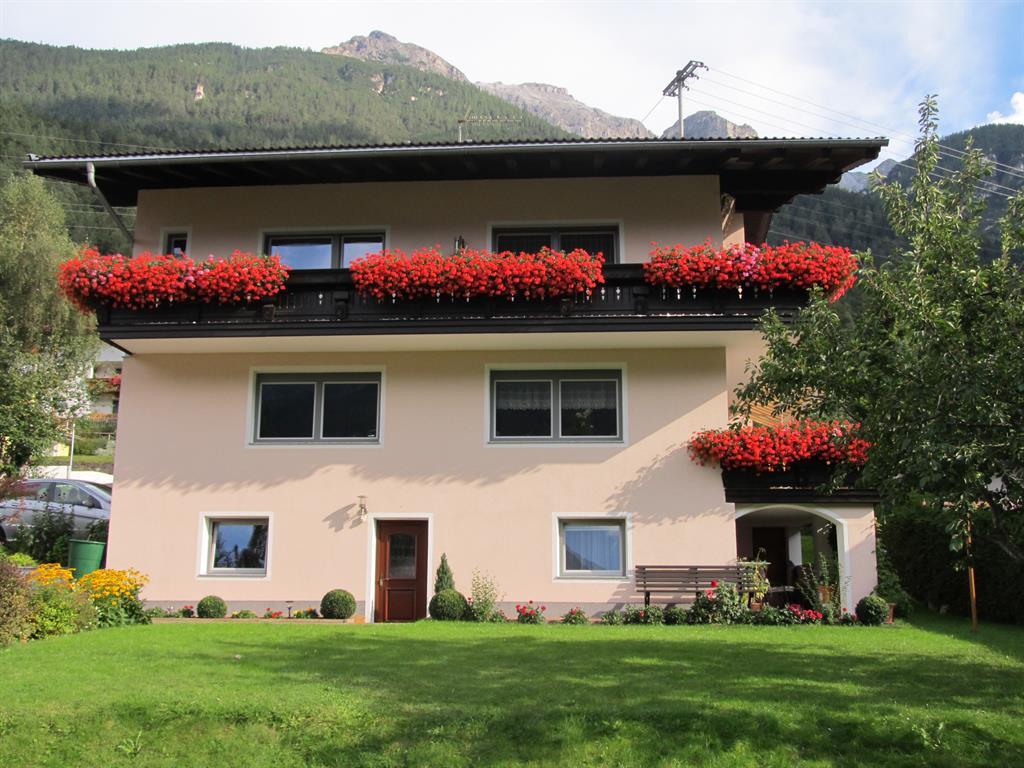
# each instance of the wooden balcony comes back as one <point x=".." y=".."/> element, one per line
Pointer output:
<point x="325" y="302"/>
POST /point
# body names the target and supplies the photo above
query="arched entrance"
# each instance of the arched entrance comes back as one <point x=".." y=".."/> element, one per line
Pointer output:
<point x="791" y="537"/>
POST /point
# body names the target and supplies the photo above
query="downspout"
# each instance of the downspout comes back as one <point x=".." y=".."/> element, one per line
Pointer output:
<point x="90" y="177"/>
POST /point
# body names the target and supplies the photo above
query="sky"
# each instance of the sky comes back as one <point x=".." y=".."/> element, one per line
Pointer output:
<point x="786" y="68"/>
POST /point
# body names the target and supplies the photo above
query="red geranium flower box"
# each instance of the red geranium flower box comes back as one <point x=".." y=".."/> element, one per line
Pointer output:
<point x="781" y="448"/>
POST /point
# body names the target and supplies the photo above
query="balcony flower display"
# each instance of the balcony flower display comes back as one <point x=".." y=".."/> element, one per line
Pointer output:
<point x="428" y="274"/>
<point x="152" y="280"/>
<point x="778" y="448"/>
<point x="764" y="267"/>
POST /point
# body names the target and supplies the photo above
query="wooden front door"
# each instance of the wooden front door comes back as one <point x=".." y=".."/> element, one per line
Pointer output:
<point x="771" y="544"/>
<point x="401" y="571"/>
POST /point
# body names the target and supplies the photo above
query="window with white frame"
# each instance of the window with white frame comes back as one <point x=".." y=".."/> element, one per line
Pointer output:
<point x="592" y="239"/>
<point x="237" y="546"/>
<point x="556" y="406"/>
<point x="317" y="408"/>
<point x="592" y="548"/>
<point x="322" y="251"/>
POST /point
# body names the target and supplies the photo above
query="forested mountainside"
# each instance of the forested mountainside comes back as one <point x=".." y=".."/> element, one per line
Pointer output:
<point x="857" y="219"/>
<point x="68" y="100"/>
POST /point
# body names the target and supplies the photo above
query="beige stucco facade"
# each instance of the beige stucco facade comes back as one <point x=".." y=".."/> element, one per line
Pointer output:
<point x="186" y="454"/>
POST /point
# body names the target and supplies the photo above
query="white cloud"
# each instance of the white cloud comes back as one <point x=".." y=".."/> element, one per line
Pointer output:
<point x="1017" y="116"/>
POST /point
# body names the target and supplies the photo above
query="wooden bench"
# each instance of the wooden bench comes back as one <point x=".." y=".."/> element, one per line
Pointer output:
<point x="689" y="580"/>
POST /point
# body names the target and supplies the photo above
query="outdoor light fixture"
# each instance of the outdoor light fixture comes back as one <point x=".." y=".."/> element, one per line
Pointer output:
<point x="361" y="508"/>
<point x="460" y="244"/>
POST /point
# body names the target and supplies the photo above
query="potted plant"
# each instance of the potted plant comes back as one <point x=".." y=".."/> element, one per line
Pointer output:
<point x="759" y="584"/>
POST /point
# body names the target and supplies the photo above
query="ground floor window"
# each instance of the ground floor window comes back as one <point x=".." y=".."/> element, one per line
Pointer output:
<point x="595" y="548"/>
<point x="237" y="546"/>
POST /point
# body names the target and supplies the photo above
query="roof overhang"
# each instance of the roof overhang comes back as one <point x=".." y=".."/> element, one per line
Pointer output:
<point x="761" y="174"/>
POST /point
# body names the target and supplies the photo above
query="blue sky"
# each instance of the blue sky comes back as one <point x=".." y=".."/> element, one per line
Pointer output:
<point x="773" y="65"/>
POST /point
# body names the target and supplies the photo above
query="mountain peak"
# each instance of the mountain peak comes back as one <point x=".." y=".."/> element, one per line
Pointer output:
<point x="706" y="124"/>
<point x="388" y="49"/>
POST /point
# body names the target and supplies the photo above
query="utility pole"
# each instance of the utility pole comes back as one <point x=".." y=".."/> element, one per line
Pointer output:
<point x="678" y="85"/>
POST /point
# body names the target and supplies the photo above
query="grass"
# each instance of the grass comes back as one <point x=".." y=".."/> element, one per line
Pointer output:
<point x="275" y="694"/>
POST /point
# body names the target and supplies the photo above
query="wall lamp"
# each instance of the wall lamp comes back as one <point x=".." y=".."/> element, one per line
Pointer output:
<point x="361" y="508"/>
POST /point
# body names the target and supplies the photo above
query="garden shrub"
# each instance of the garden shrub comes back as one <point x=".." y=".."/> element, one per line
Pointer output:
<point x="443" y="578"/>
<point x="306" y="613"/>
<point x="483" y="597"/>
<point x="643" y="614"/>
<point x="59" y="609"/>
<point x="245" y="613"/>
<point x="115" y="594"/>
<point x="612" y="618"/>
<point x="575" y="616"/>
<point x="530" y="613"/>
<point x="20" y="559"/>
<point x="15" y="604"/>
<point x="338" y="604"/>
<point x="675" y="614"/>
<point x="46" y="540"/>
<point x="448" y="605"/>
<point x="211" y="607"/>
<point x="722" y="604"/>
<point x="770" y="616"/>
<point x="872" y="610"/>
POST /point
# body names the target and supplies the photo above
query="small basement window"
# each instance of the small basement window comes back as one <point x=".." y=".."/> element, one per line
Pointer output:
<point x="237" y="546"/>
<point x="322" y="251"/>
<point x="556" y="406"/>
<point x="594" y="240"/>
<point x="317" y="408"/>
<point x="592" y="548"/>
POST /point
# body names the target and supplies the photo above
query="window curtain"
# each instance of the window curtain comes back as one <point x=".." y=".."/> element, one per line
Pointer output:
<point x="592" y="548"/>
<point x="523" y="395"/>
<point x="593" y="395"/>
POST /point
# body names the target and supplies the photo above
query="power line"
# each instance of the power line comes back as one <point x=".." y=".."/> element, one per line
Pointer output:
<point x="651" y="110"/>
<point x="83" y="141"/>
<point x="910" y="138"/>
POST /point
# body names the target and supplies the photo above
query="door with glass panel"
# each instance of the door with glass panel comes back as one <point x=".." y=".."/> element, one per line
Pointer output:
<point x="401" y="589"/>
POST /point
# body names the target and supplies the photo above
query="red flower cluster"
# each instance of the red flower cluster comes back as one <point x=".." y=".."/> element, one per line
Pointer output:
<point x="149" y="280"/>
<point x="770" y="449"/>
<point x="427" y="273"/>
<point x="530" y="614"/>
<point x="797" y="265"/>
<point x="269" y="614"/>
<point x="804" y="616"/>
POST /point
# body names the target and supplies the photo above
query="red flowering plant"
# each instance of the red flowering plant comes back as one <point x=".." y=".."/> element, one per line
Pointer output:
<point x="528" y="613"/>
<point x="428" y="274"/>
<point x="148" y="281"/>
<point x="777" y="448"/>
<point x="765" y="267"/>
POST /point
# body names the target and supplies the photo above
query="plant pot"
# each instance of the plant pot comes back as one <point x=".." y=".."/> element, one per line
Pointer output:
<point x="892" y="613"/>
<point x="756" y="607"/>
<point x="825" y="595"/>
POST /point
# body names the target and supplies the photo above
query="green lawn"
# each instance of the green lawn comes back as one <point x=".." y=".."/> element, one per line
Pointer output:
<point x="223" y="694"/>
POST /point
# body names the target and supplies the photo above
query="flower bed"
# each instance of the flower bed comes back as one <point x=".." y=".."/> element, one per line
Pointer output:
<point x="428" y="274"/>
<point x="149" y="281"/>
<point x="764" y="267"/>
<point x="774" y="449"/>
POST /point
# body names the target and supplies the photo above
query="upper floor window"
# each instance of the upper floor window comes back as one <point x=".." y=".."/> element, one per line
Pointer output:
<point x="176" y="243"/>
<point x="556" y="406"/>
<point x="322" y="251"/>
<point x="317" y="407"/>
<point x="592" y="239"/>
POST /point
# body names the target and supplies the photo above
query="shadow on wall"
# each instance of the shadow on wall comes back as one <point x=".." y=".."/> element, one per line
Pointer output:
<point x="714" y="696"/>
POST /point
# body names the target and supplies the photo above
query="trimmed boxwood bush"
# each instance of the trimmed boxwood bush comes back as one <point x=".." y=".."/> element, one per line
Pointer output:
<point x="211" y="607"/>
<point x="872" y="610"/>
<point x="448" y="605"/>
<point x="338" y="604"/>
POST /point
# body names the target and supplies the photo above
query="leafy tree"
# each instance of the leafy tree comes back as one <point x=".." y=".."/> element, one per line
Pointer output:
<point x="933" y="368"/>
<point x="45" y="345"/>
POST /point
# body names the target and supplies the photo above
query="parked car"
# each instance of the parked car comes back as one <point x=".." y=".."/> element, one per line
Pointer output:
<point x="85" y="502"/>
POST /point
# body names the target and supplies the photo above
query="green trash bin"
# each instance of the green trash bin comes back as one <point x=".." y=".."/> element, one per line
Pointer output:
<point x="85" y="556"/>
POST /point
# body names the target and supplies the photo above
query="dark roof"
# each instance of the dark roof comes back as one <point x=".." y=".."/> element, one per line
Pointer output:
<point x="762" y="174"/>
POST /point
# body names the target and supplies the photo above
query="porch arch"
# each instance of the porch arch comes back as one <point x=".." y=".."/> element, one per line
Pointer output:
<point x="841" y="523"/>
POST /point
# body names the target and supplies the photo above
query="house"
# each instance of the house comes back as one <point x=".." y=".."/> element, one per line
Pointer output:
<point x="270" y="450"/>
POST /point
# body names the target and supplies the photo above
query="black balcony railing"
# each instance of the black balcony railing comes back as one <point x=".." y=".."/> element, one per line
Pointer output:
<point x="326" y="302"/>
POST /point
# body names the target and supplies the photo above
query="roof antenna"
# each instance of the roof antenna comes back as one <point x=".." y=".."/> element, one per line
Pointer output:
<point x="678" y="85"/>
